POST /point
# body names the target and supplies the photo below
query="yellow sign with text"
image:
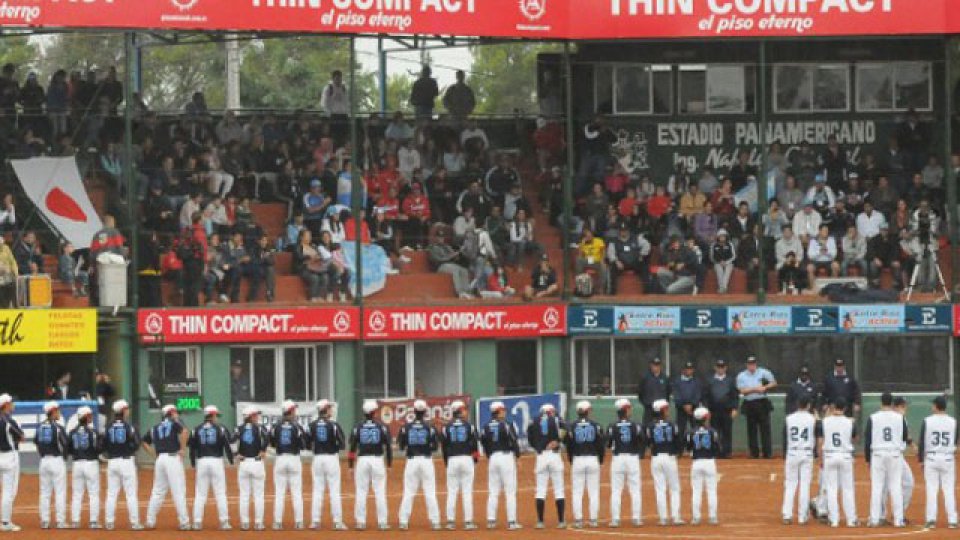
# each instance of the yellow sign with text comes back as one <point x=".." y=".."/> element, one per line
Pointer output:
<point x="48" y="331"/>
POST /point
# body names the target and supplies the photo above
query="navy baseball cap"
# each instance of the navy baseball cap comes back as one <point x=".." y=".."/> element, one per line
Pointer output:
<point x="656" y="360"/>
<point x="688" y="365"/>
<point x="751" y="359"/>
<point x="839" y="362"/>
<point x="804" y="370"/>
<point x="720" y="362"/>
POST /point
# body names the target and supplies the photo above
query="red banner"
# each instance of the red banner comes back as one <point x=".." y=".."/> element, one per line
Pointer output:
<point x="580" y="19"/>
<point x="396" y="412"/>
<point x="468" y="322"/>
<point x="956" y="320"/>
<point x="171" y="326"/>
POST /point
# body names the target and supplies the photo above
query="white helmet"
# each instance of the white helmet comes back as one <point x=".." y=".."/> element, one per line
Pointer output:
<point x="547" y="407"/>
<point x="584" y="406"/>
<point x="250" y="410"/>
<point x="458" y="405"/>
<point x="167" y="409"/>
<point x="119" y="405"/>
<point x="660" y="404"/>
<point x="420" y="405"/>
<point x="622" y="404"/>
<point x="497" y="406"/>
<point x="370" y="406"/>
<point x="288" y="406"/>
<point x="210" y="409"/>
<point x="323" y="405"/>
<point x="4" y="399"/>
<point x="700" y="413"/>
<point x="84" y="411"/>
<point x="50" y="406"/>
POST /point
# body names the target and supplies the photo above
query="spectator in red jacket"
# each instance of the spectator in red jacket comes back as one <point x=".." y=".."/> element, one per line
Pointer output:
<point x="548" y="139"/>
<point x="659" y="204"/>
<point x="416" y="216"/>
<point x="615" y="182"/>
<point x="350" y="229"/>
<point x="627" y="203"/>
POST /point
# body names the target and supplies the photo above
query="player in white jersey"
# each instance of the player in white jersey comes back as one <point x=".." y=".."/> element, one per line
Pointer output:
<point x="838" y="435"/>
<point x="938" y="446"/>
<point x="906" y="474"/>
<point x="801" y="432"/>
<point x="884" y="437"/>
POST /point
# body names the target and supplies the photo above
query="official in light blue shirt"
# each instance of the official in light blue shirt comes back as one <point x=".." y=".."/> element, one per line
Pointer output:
<point x="753" y="384"/>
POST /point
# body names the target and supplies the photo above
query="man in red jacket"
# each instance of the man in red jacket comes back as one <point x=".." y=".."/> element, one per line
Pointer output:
<point x="416" y="214"/>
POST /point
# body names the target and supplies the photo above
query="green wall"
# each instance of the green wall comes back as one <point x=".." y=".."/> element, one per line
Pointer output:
<point x="346" y="379"/>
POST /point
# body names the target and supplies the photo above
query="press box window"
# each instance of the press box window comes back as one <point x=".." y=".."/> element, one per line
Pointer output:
<point x="274" y="374"/>
<point x="518" y="367"/>
<point x="717" y="88"/>
<point x="173" y="372"/>
<point x="632" y="88"/>
<point x="906" y="364"/>
<point x="895" y="86"/>
<point x="403" y="370"/>
<point x="811" y="88"/>
<point x="611" y="367"/>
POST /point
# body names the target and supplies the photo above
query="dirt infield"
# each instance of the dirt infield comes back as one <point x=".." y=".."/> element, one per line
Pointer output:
<point x="750" y="499"/>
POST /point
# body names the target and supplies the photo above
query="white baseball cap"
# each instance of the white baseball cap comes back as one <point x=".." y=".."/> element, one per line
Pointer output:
<point x="420" y="405"/>
<point x="622" y="403"/>
<point x="50" y="406"/>
<point x="5" y="398"/>
<point x="288" y="405"/>
<point x="660" y="404"/>
<point x="84" y="411"/>
<point x="584" y="406"/>
<point x="700" y="413"/>
<point x="369" y="406"/>
<point x="458" y="405"/>
<point x="497" y="406"/>
<point x="250" y="410"/>
<point x="210" y="409"/>
<point x="168" y="408"/>
<point x="323" y="404"/>
<point x="547" y="407"/>
<point x="119" y="405"/>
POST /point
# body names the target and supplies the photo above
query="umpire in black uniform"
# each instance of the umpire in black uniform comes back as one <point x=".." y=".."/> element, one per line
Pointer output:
<point x="802" y="387"/>
<point x="723" y="399"/>
<point x="840" y="384"/>
<point x="654" y="385"/>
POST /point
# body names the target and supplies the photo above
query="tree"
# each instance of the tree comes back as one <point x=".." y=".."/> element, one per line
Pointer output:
<point x="19" y="50"/>
<point x="82" y="52"/>
<point x="504" y="77"/>
<point x="398" y="94"/>
<point x="172" y="73"/>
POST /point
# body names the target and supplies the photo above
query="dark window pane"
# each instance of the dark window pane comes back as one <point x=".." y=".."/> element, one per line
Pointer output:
<point x="264" y="375"/>
<point x="592" y="368"/>
<point x="631" y="357"/>
<point x="905" y="364"/>
<point x="704" y="352"/>
<point x="373" y="372"/>
<point x="517" y="367"/>
<point x="295" y="374"/>
<point x="785" y="356"/>
<point x="397" y="371"/>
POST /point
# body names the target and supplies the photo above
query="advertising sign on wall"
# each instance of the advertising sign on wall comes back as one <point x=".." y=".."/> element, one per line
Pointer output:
<point x="172" y="326"/>
<point x="397" y="412"/>
<point x="928" y="318"/>
<point x="815" y="320"/>
<point x="466" y="322"/>
<point x="597" y="320"/>
<point x="646" y="320"/>
<point x="703" y="321"/>
<point x="743" y="320"/>
<point x="872" y="318"/>
<point x="48" y="331"/>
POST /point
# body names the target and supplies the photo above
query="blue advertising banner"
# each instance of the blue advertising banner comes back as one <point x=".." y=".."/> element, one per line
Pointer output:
<point x="588" y="320"/>
<point x="872" y="318"/>
<point x="646" y="320"/>
<point x="928" y="318"/>
<point x="815" y="320"/>
<point x="745" y="320"/>
<point x="703" y="321"/>
<point x="521" y="410"/>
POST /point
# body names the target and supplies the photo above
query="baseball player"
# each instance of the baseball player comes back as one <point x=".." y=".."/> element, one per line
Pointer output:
<point x="369" y="446"/>
<point x="85" y="448"/>
<point x="10" y="438"/>
<point x="937" y="448"/>
<point x="499" y="441"/>
<point x="906" y="474"/>
<point x="253" y="441"/>
<point x="625" y="439"/>
<point x="289" y="439"/>
<point x="665" y="445"/>
<point x="884" y="439"/>
<point x="704" y="446"/>
<point x="121" y="442"/>
<point x="51" y="441"/>
<point x="209" y="443"/>
<point x="839" y="433"/>
<point x="166" y="441"/>
<point x="327" y="440"/>
<point x="458" y="442"/>
<point x="585" y="447"/>
<point x="801" y="430"/>
<point x="419" y="440"/>
<point x="545" y="434"/>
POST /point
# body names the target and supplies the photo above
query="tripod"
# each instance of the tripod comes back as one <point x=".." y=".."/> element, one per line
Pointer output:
<point x="927" y="258"/>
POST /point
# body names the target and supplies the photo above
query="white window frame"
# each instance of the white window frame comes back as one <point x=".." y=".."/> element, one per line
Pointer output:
<point x="410" y="376"/>
<point x="813" y="83"/>
<point x="192" y="360"/>
<point x="279" y="368"/>
<point x="650" y="70"/>
<point x="539" y="343"/>
<point x="893" y="65"/>
<point x="681" y="68"/>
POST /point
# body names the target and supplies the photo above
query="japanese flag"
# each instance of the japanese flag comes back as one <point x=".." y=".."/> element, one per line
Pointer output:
<point x="55" y="187"/>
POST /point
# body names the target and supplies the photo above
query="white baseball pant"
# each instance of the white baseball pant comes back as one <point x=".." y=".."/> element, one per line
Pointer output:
<point x="419" y="472"/>
<point x="251" y="479"/>
<point x="460" y="470"/>
<point x="121" y="473"/>
<point x="625" y="469"/>
<point x="287" y="474"/>
<point x="53" y="482"/>
<point x="838" y="474"/>
<point x="326" y="476"/>
<point x="549" y="469"/>
<point x="906" y="481"/>
<point x="370" y="470"/>
<point x="86" y="478"/>
<point x="502" y="476"/>
<point x="10" y="478"/>
<point x="886" y="470"/>
<point x="703" y="472"/>
<point x="210" y="473"/>
<point x="798" y="472"/>
<point x="663" y="469"/>
<point x="585" y="471"/>
<point x="939" y="473"/>
<point x="168" y="475"/>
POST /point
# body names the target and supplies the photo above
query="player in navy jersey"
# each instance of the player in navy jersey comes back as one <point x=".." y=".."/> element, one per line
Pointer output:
<point x="705" y="447"/>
